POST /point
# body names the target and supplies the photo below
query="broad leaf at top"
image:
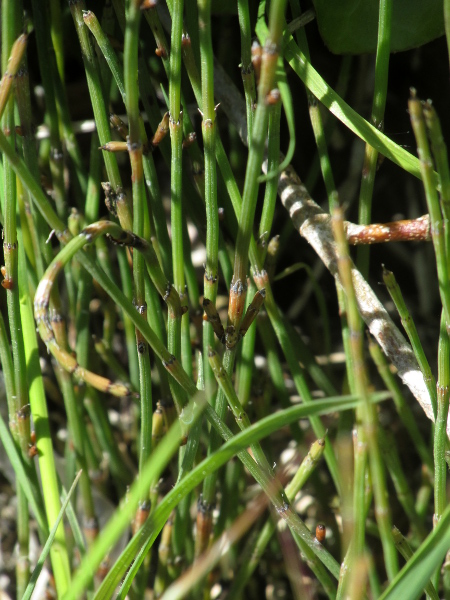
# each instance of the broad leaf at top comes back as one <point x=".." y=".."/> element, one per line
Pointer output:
<point x="350" y="26"/>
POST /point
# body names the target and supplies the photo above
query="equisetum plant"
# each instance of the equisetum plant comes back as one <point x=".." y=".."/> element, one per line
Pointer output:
<point x="174" y="430"/>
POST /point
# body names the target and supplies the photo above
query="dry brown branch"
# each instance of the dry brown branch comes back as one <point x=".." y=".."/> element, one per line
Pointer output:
<point x="410" y="230"/>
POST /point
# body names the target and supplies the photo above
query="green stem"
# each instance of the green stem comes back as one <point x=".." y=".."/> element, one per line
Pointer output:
<point x="247" y="71"/>
<point x="440" y="431"/>
<point x="32" y="373"/>
<point x="209" y="143"/>
<point x="176" y="185"/>
<point x="106" y="48"/>
<point x="240" y="415"/>
<point x="56" y="157"/>
<point x="37" y="226"/>
<point x="244" y="368"/>
<point x="19" y="413"/>
<point x="404" y="493"/>
<point x="57" y="35"/>
<point x="255" y="157"/>
<point x="437" y="227"/>
<point x="442" y="166"/>
<point x="98" y="105"/>
<point x="376" y="118"/>
<point x="210" y="482"/>
<point x="11" y="69"/>
<point x="133" y="15"/>
<point x="403" y="409"/>
<point x="411" y="331"/>
<point x="368" y="429"/>
<point x="291" y="353"/>
<point x="10" y="247"/>
<point x="406" y="551"/>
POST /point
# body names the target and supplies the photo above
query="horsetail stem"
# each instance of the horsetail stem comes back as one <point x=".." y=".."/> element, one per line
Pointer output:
<point x="437" y="225"/>
<point x="241" y="417"/>
<point x="411" y="331"/>
<point x="14" y="61"/>
<point x="376" y="118"/>
<point x="367" y="416"/>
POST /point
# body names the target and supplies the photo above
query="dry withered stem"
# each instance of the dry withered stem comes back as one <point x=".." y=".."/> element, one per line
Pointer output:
<point x="408" y="230"/>
<point x="315" y="226"/>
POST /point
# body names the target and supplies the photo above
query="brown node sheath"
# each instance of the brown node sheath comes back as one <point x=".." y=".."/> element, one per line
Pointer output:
<point x="161" y="131"/>
<point x="236" y="305"/>
<point x="91" y="530"/>
<point x="135" y="152"/>
<point x="160" y="52"/>
<point x="158" y="428"/>
<point x="119" y="126"/>
<point x="256" y="60"/>
<point x="165" y="546"/>
<point x="261" y="279"/>
<point x="204" y="525"/>
<point x="168" y="364"/>
<point x="58" y="324"/>
<point x="147" y="4"/>
<point x="32" y="451"/>
<point x="142" y="514"/>
<point x="271" y="256"/>
<point x="114" y="147"/>
<point x="189" y="140"/>
<point x="212" y="316"/>
<point x="17" y="52"/>
<point x="232" y="337"/>
<point x="24" y="412"/>
<point x="110" y="197"/>
<point x="252" y="311"/>
<point x="169" y="411"/>
<point x="8" y="283"/>
<point x="273" y="97"/>
<point x="103" y="569"/>
<point x="172" y="299"/>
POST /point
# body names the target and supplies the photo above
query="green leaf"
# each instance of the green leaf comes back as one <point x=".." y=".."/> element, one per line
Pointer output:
<point x="415" y="575"/>
<point x="350" y="26"/>
<point x="49" y="542"/>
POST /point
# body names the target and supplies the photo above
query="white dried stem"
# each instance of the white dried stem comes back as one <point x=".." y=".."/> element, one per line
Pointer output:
<point x="315" y="226"/>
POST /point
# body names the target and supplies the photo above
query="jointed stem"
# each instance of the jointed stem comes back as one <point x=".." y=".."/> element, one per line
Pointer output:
<point x="140" y="221"/>
<point x="437" y="229"/>
<point x="259" y="132"/>
<point x="367" y="417"/>
<point x="379" y="103"/>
